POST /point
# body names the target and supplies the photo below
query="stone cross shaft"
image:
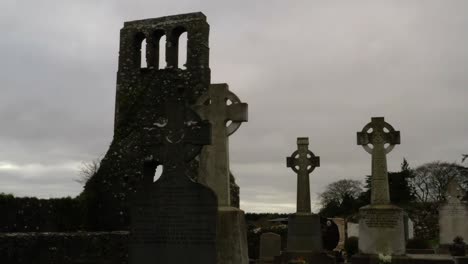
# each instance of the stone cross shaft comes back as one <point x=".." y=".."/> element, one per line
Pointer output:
<point x="303" y="162"/>
<point x="225" y="119"/>
<point x="378" y="133"/>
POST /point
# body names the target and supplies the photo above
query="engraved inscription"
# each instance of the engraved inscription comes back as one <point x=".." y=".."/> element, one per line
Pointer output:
<point x="455" y="210"/>
<point x="381" y="219"/>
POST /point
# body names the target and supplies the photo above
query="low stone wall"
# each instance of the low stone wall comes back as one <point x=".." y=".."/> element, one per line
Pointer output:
<point x="64" y="248"/>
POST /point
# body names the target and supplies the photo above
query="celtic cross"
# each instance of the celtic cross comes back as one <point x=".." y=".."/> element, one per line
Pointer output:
<point x="225" y="119"/>
<point x="383" y="138"/>
<point x="303" y="162"/>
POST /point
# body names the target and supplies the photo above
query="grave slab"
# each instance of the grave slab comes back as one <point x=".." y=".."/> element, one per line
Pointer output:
<point x="270" y="247"/>
<point x="381" y="230"/>
<point x="453" y="215"/>
<point x="304" y="233"/>
<point x="174" y="219"/>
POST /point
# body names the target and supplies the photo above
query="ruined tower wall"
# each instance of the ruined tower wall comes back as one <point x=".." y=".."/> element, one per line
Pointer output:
<point x="140" y="95"/>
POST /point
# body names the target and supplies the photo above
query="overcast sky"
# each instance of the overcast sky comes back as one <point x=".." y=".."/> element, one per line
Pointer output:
<point x="317" y="69"/>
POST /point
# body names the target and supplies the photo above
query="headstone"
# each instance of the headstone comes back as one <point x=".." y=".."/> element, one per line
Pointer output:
<point x="270" y="247"/>
<point x="340" y="222"/>
<point x="453" y="214"/>
<point x="409" y="227"/>
<point x="381" y="227"/>
<point x="219" y="106"/>
<point x="352" y="229"/>
<point x="304" y="239"/>
<point x="173" y="220"/>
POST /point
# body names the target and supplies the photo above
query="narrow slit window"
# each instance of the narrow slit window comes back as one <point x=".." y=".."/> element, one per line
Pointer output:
<point x="182" y="45"/>
<point x="162" y="52"/>
<point x="143" y="61"/>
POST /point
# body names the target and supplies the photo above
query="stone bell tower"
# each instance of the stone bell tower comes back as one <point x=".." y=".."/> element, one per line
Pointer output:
<point x="143" y="86"/>
<point x="153" y="82"/>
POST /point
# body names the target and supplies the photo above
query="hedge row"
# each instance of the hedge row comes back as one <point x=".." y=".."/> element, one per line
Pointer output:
<point x="64" y="248"/>
<point x="40" y="215"/>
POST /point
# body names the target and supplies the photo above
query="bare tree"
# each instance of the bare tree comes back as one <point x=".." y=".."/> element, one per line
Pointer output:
<point x="87" y="170"/>
<point x="337" y="191"/>
<point x="430" y="180"/>
<point x="464" y="157"/>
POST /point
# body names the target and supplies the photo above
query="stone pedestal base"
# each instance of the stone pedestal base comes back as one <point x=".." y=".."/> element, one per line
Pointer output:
<point x="231" y="238"/>
<point x="304" y="233"/>
<point x="319" y="258"/>
<point x="381" y="230"/>
<point x="410" y="259"/>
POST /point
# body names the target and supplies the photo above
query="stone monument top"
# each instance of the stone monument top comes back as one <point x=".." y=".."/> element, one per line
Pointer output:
<point x="214" y="160"/>
<point x="383" y="138"/>
<point x="455" y="192"/>
<point x="303" y="162"/>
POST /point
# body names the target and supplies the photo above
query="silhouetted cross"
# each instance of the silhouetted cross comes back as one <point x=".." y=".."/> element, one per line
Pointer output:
<point x="303" y="162"/>
<point x="182" y="133"/>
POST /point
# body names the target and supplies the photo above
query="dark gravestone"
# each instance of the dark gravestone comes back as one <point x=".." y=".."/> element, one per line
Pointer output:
<point x="330" y="233"/>
<point x="173" y="220"/>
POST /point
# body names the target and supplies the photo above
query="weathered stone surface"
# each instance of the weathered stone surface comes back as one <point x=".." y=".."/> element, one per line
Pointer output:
<point x="381" y="230"/>
<point x="174" y="214"/>
<point x="304" y="233"/>
<point x="214" y="159"/>
<point x="381" y="227"/>
<point x="303" y="162"/>
<point x="453" y="215"/>
<point x="378" y="138"/>
<point x="141" y="93"/>
<point x="231" y="236"/>
<point x="219" y="106"/>
<point x="352" y="229"/>
<point x="270" y="247"/>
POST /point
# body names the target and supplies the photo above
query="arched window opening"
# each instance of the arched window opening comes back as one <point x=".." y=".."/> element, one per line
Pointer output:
<point x="139" y="52"/>
<point x="172" y="53"/>
<point x="162" y="52"/>
<point x="158" y="172"/>
<point x="182" y="56"/>
<point x="143" y="61"/>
